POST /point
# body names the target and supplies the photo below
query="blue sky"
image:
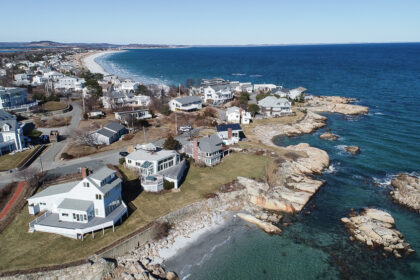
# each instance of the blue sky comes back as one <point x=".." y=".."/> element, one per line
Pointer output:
<point x="211" y="22"/>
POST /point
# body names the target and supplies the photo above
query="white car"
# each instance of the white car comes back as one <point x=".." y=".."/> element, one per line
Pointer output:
<point x="185" y="128"/>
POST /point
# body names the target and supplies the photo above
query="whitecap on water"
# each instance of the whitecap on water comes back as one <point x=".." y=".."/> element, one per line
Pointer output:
<point x="238" y="74"/>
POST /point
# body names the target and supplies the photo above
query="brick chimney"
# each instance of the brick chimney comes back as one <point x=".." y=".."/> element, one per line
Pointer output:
<point x="195" y="150"/>
<point x="229" y="133"/>
<point x="85" y="172"/>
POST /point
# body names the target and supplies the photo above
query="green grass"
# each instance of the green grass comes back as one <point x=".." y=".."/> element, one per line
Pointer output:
<point x="20" y="249"/>
<point x="11" y="161"/>
<point x="34" y="133"/>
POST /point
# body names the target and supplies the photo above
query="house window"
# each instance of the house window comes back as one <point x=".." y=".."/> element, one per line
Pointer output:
<point x="86" y="184"/>
<point x="74" y="216"/>
<point x="98" y="197"/>
<point x="64" y="214"/>
<point x="85" y="217"/>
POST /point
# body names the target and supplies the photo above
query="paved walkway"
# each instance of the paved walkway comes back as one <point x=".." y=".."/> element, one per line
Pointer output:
<point x="12" y="201"/>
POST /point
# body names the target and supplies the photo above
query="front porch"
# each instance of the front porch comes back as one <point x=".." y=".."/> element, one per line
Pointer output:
<point x="49" y="222"/>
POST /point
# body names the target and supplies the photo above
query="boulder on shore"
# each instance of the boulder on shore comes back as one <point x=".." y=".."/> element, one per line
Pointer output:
<point x="376" y="228"/>
<point x="265" y="226"/>
<point x="406" y="191"/>
<point x="354" y="150"/>
<point x="328" y="136"/>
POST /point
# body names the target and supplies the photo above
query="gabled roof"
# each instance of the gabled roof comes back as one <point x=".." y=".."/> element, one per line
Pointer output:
<point x="114" y="126"/>
<point x="56" y="189"/>
<point x="225" y="127"/>
<point x="150" y="156"/>
<point x="272" y="101"/>
<point x="210" y="144"/>
<point x="188" y="99"/>
<point x="75" y="204"/>
<point x="105" y="132"/>
<point x="101" y="173"/>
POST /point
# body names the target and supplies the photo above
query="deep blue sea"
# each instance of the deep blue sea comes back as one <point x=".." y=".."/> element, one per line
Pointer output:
<point x="385" y="77"/>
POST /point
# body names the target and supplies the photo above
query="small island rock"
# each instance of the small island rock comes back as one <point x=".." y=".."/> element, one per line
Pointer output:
<point x="354" y="150"/>
<point x="328" y="136"/>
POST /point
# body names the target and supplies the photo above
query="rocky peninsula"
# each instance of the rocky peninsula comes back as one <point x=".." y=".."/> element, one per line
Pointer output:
<point x="376" y="228"/>
<point x="312" y="121"/>
<point x="335" y="104"/>
<point x="406" y="191"/>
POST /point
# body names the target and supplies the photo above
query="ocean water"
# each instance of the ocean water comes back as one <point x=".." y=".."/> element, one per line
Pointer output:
<point x="385" y="77"/>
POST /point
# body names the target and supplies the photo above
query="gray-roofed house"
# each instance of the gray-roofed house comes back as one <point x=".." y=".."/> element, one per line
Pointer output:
<point x="186" y="104"/>
<point x="109" y="133"/>
<point x="272" y="106"/>
<point x="76" y="208"/>
<point x="208" y="150"/>
<point x="11" y="134"/>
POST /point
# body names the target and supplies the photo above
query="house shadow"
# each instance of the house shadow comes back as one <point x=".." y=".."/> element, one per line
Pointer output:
<point x="131" y="189"/>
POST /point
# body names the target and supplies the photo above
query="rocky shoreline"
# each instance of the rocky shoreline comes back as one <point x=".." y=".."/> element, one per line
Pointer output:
<point x="312" y="121"/>
<point x="376" y="228"/>
<point x="406" y="191"/>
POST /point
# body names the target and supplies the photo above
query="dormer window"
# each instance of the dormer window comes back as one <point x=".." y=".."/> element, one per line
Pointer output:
<point x="6" y="127"/>
<point x="86" y="184"/>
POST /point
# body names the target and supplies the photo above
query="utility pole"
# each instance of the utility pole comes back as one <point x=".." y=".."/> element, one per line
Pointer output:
<point x="40" y="161"/>
<point x="176" y="124"/>
<point x="83" y="100"/>
<point x="144" y="134"/>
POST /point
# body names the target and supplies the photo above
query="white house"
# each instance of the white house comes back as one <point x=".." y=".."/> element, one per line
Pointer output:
<point x="188" y="103"/>
<point x="128" y="86"/>
<point x="218" y="94"/>
<point x="23" y="79"/>
<point x="53" y="75"/>
<point x="155" y="166"/>
<point x="229" y="133"/>
<point x="264" y="88"/>
<point x="273" y="106"/>
<point x="120" y="99"/>
<point x="238" y="115"/>
<point x="109" y="133"/>
<point x="15" y="99"/>
<point x="11" y="134"/>
<point x="296" y="92"/>
<point x="2" y="72"/>
<point x="38" y="80"/>
<point x="125" y="116"/>
<point x="70" y="83"/>
<point x="76" y="208"/>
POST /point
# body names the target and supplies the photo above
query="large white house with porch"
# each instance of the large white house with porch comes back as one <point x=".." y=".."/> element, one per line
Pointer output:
<point x="155" y="165"/>
<point x="272" y="106"/>
<point x="75" y="208"/>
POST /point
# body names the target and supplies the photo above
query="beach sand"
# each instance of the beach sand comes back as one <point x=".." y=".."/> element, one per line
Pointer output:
<point x="89" y="61"/>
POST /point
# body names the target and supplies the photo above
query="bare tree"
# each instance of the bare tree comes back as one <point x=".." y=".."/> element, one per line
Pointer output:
<point x="84" y="137"/>
<point x="32" y="175"/>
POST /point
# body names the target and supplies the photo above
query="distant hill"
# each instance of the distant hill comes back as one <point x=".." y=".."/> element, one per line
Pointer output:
<point x="52" y="44"/>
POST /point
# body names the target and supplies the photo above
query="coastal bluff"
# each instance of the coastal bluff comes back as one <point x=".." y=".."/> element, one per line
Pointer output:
<point x="290" y="187"/>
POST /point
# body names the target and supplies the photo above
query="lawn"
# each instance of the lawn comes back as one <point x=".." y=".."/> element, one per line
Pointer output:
<point x="11" y="161"/>
<point x="20" y="249"/>
<point x="54" y="105"/>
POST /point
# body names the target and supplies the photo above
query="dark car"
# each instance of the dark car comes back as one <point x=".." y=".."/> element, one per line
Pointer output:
<point x="123" y="154"/>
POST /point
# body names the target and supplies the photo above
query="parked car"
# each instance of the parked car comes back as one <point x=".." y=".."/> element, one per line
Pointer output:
<point x="123" y="154"/>
<point x="44" y="138"/>
<point x="185" y="128"/>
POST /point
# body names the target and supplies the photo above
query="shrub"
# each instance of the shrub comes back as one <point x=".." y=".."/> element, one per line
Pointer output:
<point x="121" y="161"/>
<point x="168" y="185"/>
<point x="66" y="156"/>
<point x="171" y="143"/>
<point x="128" y="137"/>
<point x="165" y="110"/>
<point x="161" y="230"/>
